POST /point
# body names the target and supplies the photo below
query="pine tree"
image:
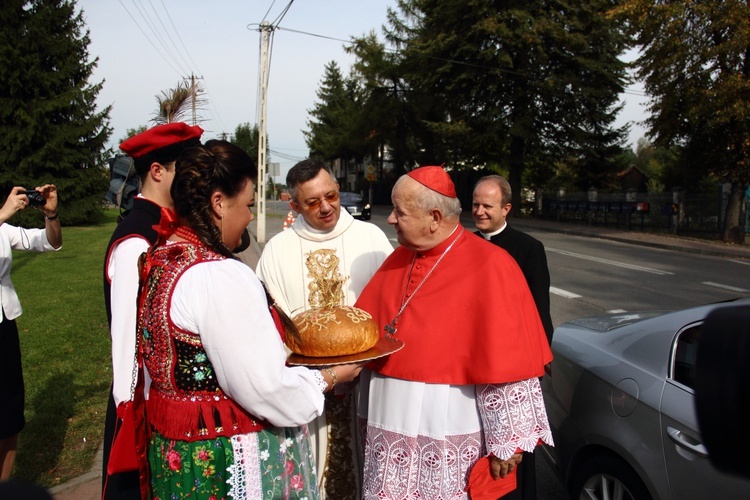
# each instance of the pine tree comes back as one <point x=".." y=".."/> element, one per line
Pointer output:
<point x="50" y="131"/>
<point x="396" y="113"/>
<point x="334" y="125"/>
<point x="511" y="83"/>
<point x="246" y="137"/>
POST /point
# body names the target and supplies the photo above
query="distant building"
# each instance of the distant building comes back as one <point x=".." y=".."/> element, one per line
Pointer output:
<point x="633" y="178"/>
<point x="366" y="177"/>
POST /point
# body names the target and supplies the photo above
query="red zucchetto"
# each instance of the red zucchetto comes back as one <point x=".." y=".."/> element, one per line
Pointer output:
<point x="159" y="137"/>
<point x="434" y="178"/>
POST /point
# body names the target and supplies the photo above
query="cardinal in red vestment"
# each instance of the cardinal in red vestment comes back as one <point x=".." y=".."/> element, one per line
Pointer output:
<point x="466" y="384"/>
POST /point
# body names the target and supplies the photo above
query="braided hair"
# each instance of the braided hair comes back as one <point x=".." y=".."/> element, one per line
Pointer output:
<point x="199" y="172"/>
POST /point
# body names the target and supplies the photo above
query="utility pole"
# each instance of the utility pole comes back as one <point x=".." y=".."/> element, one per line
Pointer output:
<point x="260" y="197"/>
<point x="193" y="96"/>
<point x="192" y="91"/>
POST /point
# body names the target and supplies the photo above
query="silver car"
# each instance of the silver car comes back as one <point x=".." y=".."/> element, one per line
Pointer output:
<point x="620" y="400"/>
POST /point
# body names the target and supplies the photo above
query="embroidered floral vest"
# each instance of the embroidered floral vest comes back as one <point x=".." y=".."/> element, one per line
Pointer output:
<point x="185" y="401"/>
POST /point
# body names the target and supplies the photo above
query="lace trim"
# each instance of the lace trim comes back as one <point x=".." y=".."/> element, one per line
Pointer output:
<point x="398" y="466"/>
<point x="320" y="381"/>
<point x="244" y="481"/>
<point x="401" y="467"/>
<point x="513" y="417"/>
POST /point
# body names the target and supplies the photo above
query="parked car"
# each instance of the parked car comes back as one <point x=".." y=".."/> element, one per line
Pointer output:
<point x="355" y="205"/>
<point x="620" y="400"/>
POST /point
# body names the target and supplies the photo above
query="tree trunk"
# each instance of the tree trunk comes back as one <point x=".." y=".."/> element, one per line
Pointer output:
<point x="734" y="226"/>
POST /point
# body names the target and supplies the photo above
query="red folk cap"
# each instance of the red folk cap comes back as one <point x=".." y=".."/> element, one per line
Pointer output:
<point x="159" y="137"/>
<point x="434" y="178"/>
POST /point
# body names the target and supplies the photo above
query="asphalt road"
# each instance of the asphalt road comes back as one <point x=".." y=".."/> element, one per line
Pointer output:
<point x="591" y="276"/>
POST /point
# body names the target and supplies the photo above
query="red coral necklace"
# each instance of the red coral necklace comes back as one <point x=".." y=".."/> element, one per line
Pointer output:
<point x="188" y="234"/>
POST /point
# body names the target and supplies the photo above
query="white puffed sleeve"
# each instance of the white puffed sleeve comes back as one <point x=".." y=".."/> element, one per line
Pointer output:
<point x="224" y="302"/>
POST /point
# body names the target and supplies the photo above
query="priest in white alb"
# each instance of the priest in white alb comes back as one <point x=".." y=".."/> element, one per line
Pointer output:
<point x="325" y="250"/>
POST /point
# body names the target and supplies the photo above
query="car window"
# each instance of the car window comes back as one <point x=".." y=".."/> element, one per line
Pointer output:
<point x="686" y="349"/>
<point x="350" y="197"/>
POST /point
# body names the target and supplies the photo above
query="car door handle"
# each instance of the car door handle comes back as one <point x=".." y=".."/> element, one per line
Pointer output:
<point x="687" y="442"/>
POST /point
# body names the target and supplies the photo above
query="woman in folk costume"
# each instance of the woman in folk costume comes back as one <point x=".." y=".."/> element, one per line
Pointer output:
<point x="226" y="416"/>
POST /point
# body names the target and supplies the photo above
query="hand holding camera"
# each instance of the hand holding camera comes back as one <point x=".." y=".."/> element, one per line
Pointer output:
<point x="35" y="198"/>
<point x="43" y="198"/>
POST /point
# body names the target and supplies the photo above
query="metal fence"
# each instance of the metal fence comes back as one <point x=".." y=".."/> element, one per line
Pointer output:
<point x="700" y="215"/>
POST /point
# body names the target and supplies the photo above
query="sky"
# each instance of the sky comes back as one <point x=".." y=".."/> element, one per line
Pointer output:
<point x="146" y="47"/>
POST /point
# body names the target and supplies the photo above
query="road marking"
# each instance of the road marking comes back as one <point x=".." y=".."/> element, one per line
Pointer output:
<point x="616" y="311"/>
<point x="610" y="262"/>
<point x="725" y="287"/>
<point x="743" y="262"/>
<point x="564" y="293"/>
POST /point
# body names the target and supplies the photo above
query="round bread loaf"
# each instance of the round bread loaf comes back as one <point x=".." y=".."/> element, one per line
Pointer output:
<point x="333" y="331"/>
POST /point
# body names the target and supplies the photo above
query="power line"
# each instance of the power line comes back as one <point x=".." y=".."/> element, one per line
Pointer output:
<point x="157" y="34"/>
<point x="169" y="63"/>
<point x="285" y="156"/>
<point x="179" y="52"/>
<point x="166" y="32"/>
<point x="268" y="11"/>
<point x="191" y="65"/>
<point x="323" y="36"/>
<point x="282" y="15"/>
<point x="453" y="61"/>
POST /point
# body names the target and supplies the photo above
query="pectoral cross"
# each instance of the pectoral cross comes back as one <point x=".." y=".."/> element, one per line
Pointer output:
<point x="390" y="329"/>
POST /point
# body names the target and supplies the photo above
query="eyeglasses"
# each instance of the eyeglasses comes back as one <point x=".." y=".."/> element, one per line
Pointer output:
<point x="315" y="203"/>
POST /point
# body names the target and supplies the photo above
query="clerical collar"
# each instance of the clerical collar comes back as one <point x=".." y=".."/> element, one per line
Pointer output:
<point x="487" y="236"/>
<point x="308" y="232"/>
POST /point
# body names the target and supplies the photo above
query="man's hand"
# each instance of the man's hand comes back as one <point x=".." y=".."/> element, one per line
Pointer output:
<point x="501" y="468"/>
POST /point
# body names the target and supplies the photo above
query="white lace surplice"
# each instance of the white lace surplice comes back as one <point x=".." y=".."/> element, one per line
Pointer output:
<point x="422" y="439"/>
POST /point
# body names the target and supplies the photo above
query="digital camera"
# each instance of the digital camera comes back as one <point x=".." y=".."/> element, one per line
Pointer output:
<point x="35" y="198"/>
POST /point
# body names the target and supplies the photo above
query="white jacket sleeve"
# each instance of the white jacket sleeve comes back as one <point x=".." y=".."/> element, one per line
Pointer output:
<point x="122" y="271"/>
<point x="34" y="239"/>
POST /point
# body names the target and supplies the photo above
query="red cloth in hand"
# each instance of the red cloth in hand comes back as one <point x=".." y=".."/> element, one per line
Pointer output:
<point x="481" y="485"/>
